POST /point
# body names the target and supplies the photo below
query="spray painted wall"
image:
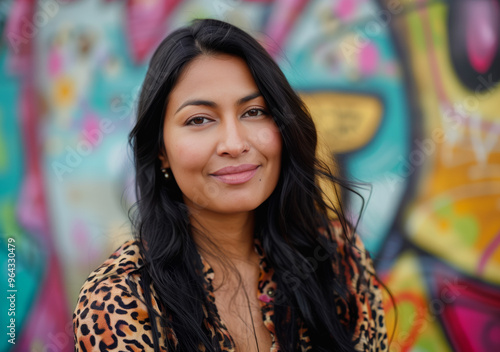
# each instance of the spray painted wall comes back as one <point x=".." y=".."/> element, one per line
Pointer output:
<point x="404" y="93"/>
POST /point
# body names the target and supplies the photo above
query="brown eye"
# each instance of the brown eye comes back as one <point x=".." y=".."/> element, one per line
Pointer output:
<point x="198" y="120"/>
<point x="254" y="112"/>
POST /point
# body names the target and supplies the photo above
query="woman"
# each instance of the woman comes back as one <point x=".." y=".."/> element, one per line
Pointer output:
<point x="235" y="248"/>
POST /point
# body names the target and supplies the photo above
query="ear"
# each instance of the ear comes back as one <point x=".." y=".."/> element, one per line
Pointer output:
<point x="164" y="159"/>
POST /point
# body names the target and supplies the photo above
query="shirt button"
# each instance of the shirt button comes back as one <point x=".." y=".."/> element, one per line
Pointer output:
<point x="271" y="292"/>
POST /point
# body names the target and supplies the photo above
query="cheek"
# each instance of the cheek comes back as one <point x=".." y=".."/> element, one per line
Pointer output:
<point x="186" y="154"/>
<point x="276" y="144"/>
<point x="268" y="140"/>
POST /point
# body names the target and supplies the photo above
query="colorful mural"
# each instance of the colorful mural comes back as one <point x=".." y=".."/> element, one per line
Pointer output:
<point x="405" y="94"/>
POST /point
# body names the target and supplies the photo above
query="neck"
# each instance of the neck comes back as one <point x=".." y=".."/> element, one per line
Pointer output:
<point x="232" y="234"/>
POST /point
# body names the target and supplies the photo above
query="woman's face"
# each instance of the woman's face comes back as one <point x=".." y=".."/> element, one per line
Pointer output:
<point x="221" y="142"/>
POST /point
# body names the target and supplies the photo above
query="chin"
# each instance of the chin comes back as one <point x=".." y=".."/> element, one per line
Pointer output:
<point x="237" y="207"/>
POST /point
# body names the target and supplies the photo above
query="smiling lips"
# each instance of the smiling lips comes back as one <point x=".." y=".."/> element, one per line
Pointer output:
<point x="234" y="175"/>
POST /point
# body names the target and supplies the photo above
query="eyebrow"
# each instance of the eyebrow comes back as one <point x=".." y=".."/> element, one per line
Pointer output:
<point x="212" y="104"/>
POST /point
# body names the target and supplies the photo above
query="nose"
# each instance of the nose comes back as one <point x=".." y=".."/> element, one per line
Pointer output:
<point x="233" y="140"/>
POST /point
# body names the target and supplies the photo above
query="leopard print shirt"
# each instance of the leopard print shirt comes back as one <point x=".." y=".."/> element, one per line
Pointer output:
<point x="109" y="317"/>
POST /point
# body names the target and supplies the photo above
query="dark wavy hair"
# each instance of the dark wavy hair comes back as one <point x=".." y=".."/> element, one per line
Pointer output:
<point x="286" y="223"/>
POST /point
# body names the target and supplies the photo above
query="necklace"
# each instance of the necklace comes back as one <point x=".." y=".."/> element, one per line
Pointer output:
<point x="251" y="319"/>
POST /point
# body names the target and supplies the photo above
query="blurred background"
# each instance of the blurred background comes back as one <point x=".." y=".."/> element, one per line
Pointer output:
<point x="404" y="92"/>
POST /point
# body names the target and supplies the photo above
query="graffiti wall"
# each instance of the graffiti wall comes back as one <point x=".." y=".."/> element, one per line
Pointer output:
<point x="405" y="95"/>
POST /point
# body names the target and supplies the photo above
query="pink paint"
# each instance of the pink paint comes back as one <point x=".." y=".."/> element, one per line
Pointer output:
<point x="470" y="312"/>
<point x="55" y="62"/>
<point x="79" y="233"/>
<point x="482" y="21"/>
<point x="344" y="9"/>
<point x="146" y="25"/>
<point x="368" y="59"/>
<point x="20" y="36"/>
<point x="284" y="15"/>
<point x="30" y="211"/>
<point x="469" y="325"/>
<point x="49" y="315"/>
<point x="493" y="333"/>
<point x="31" y="208"/>
<point x="91" y="128"/>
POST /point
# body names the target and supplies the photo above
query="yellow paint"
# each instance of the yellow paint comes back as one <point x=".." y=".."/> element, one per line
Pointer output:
<point x="465" y="167"/>
<point x="64" y="92"/>
<point x="346" y="122"/>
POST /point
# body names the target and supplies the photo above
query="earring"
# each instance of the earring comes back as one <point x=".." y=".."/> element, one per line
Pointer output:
<point x="165" y="173"/>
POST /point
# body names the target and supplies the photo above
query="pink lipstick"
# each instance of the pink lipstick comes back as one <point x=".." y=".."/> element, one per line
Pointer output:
<point x="235" y="175"/>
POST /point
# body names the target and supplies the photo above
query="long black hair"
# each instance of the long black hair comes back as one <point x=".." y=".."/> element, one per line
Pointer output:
<point x="286" y="223"/>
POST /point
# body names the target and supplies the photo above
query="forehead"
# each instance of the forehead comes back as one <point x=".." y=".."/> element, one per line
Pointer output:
<point x="213" y="76"/>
